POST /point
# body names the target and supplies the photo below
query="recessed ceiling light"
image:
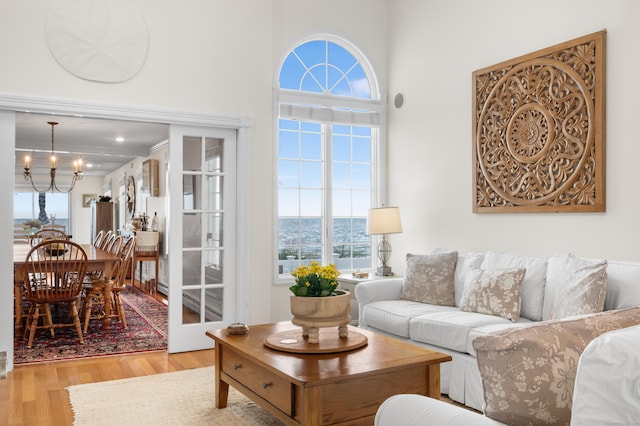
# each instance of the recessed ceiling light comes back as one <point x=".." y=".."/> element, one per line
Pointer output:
<point x="119" y="139"/>
<point x="89" y="165"/>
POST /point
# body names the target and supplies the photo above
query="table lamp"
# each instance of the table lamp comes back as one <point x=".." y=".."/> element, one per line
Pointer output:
<point x="383" y="221"/>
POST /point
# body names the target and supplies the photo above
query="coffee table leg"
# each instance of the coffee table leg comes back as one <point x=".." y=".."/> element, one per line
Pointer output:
<point x="222" y="388"/>
<point x="433" y="381"/>
<point x="312" y="406"/>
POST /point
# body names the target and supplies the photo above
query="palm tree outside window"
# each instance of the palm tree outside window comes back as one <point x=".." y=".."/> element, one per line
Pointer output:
<point x="328" y="156"/>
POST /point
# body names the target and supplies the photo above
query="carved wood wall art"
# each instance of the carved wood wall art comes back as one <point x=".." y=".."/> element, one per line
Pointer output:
<point x="539" y="131"/>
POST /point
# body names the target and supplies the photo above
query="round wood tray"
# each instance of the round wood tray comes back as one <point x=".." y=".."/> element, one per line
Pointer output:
<point x="329" y="341"/>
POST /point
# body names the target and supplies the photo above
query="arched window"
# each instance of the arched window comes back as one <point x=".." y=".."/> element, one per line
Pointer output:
<point x="329" y="113"/>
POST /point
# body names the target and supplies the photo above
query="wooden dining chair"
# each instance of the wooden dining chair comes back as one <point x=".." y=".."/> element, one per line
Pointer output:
<point x="93" y="307"/>
<point x="54" y="270"/>
<point x="108" y="238"/>
<point x="97" y="241"/>
<point x="55" y="227"/>
<point x="126" y="256"/>
<point x="47" y="234"/>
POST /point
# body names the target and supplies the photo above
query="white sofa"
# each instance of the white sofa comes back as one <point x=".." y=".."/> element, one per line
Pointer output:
<point x="450" y="330"/>
<point x="606" y="392"/>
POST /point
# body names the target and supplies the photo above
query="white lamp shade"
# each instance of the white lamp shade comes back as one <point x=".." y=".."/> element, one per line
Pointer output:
<point x="384" y="220"/>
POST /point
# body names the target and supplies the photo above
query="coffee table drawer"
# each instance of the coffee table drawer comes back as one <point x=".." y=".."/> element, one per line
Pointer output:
<point x="269" y="386"/>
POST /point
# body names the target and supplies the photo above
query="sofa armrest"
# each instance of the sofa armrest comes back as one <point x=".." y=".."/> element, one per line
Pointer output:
<point x="417" y="410"/>
<point x="607" y="389"/>
<point x="376" y="290"/>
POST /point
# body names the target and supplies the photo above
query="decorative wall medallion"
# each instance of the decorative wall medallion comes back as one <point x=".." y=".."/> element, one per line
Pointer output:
<point x="539" y="131"/>
<point x="98" y="40"/>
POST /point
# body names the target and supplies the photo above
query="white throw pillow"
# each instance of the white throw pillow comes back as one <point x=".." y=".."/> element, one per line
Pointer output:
<point x="533" y="285"/>
<point x="575" y="286"/>
<point x="493" y="292"/>
<point x="429" y="278"/>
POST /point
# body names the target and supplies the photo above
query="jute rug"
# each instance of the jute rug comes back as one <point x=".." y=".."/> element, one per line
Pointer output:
<point x="178" y="398"/>
<point x="147" y="331"/>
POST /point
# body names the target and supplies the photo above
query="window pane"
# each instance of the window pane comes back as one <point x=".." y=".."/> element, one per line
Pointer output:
<point x="310" y="230"/>
<point x="288" y="202"/>
<point x="214" y="155"/>
<point x="310" y="174"/>
<point x="213" y="230"/>
<point x="341" y="148"/>
<point x="311" y="146"/>
<point x="213" y="267"/>
<point x="311" y="203"/>
<point x="288" y="145"/>
<point x="191" y="153"/>
<point x="288" y="173"/>
<point x="191" y="266"/>
<point x="361" y="150"/>
<point x="341" y="175"/>
<point x="361" y="176"/>
<point x="342" y="203"/>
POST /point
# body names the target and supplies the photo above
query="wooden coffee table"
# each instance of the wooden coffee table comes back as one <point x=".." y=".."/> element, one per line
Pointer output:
<point x="322" y="388"/>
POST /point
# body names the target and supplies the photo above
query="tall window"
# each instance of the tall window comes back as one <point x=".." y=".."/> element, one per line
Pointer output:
<point x="328" y="144"/>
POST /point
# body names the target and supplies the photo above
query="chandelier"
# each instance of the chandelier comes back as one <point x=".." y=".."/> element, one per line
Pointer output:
<point x="53" y="186"/>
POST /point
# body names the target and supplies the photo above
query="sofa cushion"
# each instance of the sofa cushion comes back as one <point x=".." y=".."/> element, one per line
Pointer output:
<point x="429" y="278"/>
<point x="393" y="316"/>
<point x="528" y="373"/>
<point x="493" y="292"/>
<point x="466" y="262"/>
<point x="575" y="286"/>
<point x="533" y="284"/>
<point x="449" y="329"/>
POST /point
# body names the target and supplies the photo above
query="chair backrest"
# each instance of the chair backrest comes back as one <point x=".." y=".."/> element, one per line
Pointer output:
<point x="55" y="226"/>
<point x="97" y="241"/>
<point x="147" y="240"/>
<point x="47" y="234"/>
<point x="20" y="234"/>
<point x="55" y="271"/>
<point x="108" y="238"/>
<point x="126" y="255"/>
<point x="115" y="245"/>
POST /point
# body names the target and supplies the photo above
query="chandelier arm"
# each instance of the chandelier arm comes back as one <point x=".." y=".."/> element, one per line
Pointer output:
<point x="33" y="185"/>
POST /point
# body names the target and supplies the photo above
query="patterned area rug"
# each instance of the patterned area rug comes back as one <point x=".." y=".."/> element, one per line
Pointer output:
<point x="179" y="398"/>
<point x="147" y="331"/>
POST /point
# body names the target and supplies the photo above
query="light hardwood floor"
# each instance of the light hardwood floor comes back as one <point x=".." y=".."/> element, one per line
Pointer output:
<point x="36" y="394"/>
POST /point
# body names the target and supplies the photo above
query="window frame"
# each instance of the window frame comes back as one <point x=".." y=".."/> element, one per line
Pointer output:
<point x="288" y="102"/>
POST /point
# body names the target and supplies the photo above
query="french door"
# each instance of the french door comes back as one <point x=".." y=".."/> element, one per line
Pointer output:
<point x="202" y="236"/>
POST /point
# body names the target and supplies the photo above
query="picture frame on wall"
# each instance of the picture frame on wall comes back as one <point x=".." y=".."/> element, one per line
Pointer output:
<point x="539" y="131"/>
<point x="87" y="199"/>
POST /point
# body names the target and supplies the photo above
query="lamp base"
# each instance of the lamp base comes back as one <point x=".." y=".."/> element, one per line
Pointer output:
<point x="384" y="271"/>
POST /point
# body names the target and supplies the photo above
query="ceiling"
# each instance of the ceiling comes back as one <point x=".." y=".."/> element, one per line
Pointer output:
<point x="91" y="139"/>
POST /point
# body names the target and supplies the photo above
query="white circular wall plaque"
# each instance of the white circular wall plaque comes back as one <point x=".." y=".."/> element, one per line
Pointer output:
<point x="98" y="40"/>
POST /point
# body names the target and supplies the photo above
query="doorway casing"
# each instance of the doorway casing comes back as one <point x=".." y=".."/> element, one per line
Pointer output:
<point x="10" y="104"/>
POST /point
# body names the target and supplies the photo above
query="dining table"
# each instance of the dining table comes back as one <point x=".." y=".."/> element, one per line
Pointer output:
<point x="98" y="260"/>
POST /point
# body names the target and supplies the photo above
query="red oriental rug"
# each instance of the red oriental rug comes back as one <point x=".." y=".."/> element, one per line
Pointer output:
<point x="146" y="331"/>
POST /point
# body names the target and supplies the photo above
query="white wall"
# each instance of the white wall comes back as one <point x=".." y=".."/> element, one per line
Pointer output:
<point x="434" y="47"/>
<point x="214" y="57"/>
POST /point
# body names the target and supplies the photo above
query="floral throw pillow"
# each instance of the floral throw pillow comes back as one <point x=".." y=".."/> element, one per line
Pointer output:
<point x="493" y="292"/>
<point x="528" y="374"/>
<point x="429" y="278"/>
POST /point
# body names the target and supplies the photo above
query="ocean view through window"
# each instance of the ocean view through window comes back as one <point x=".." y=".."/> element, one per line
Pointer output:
<point x="45" y="207"/>
<point x="327" y="158"/>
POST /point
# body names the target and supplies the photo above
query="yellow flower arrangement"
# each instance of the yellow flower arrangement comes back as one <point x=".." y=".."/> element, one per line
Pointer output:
<point x="315" y="280"/>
